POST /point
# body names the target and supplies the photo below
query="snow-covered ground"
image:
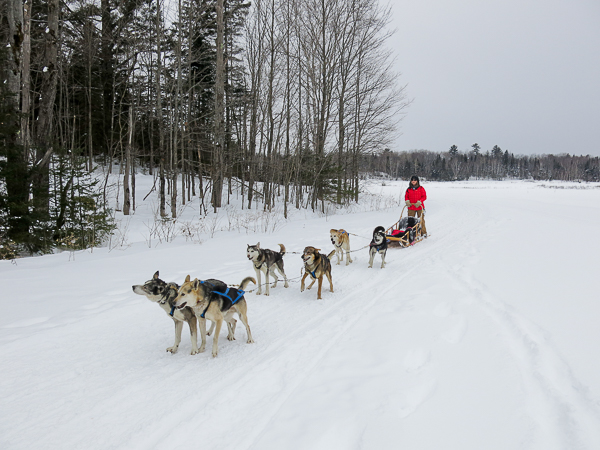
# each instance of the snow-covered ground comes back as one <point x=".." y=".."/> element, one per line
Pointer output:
<point x="483" y="336"/>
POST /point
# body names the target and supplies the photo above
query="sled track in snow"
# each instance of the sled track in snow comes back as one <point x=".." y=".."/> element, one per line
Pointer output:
<point x="568" y="417"/>
<point x="242" y="366"/>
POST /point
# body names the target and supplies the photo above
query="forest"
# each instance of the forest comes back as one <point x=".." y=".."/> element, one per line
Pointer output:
<point x="204" y="94"/>
<point x="292" y="101"/>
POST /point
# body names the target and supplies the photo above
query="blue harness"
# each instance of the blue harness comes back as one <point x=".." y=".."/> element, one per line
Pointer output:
<point x="239" y="292"/>
<point x="225" y="294"/>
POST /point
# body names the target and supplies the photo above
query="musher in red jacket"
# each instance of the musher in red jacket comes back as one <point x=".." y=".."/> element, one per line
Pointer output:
<point x="415" y="196"/>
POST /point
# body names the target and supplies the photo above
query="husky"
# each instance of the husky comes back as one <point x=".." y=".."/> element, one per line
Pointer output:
<point x="158" y="291"/>
<point x="316" y="265"/>
<point x="341" y="241"/>
<point x="212" y="299"/>
<point x="267" y="261"/>
<point x="378" y="245"/>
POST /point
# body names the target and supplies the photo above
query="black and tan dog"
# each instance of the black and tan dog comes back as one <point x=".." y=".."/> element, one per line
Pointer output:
<point x="163" y="293"/>
<point x="213" y="300"/>
<point x="316" y="265"/>
<point x="341" y="241"/>
<point x="378" y="245"/>
<point x="267" y="261"/>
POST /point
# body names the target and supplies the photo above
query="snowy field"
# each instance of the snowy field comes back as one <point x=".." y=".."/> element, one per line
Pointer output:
<point x="484" y="336"/>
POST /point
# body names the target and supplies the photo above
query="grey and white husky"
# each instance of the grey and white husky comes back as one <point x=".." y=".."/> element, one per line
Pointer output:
<point x="267" y="261"/>
<point x="163" y="293"/>
<point x="378" y="245"/>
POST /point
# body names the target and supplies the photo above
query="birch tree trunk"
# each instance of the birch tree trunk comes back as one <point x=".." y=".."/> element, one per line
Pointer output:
<point x="26" y="79"/>
<point x="44" y="135"/>
<point x="126" y="188"/>
<point x="219" y="136"/>
<point x="159" y="112"/>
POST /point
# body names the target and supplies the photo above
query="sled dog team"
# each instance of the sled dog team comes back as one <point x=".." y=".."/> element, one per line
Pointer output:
<point x="196" y="301"/>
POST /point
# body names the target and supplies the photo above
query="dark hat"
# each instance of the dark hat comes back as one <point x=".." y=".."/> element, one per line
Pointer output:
<point x="414" y="178"/>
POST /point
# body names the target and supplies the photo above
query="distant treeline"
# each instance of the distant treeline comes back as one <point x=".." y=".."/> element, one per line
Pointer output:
<point x="495" y="164"/>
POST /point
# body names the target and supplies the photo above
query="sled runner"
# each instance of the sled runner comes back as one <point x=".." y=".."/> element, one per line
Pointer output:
<point x="405" y="232"/>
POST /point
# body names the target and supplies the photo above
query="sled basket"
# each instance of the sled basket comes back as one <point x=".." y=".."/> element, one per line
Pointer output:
<point x="405" y="232"/>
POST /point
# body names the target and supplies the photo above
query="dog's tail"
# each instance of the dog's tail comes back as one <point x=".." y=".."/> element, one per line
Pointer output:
<point x="331" y="254"/>
<point x="245" y="281"/>
<point x="282" y="249"/>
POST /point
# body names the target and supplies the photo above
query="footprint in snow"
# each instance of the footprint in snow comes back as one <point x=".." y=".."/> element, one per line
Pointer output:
<point x="415" y="359"/>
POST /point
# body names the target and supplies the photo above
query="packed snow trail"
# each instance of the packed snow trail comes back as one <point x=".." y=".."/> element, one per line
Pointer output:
<point x="446" y="347"/>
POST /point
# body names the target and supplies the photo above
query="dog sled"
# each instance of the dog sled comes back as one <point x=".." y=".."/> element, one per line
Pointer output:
<point x="405" y="232"/>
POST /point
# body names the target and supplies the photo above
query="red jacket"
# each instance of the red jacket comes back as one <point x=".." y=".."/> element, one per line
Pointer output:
<point x="414" y="195"/>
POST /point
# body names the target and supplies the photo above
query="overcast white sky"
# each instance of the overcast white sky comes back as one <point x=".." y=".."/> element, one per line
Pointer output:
<point x="521" y="74"/>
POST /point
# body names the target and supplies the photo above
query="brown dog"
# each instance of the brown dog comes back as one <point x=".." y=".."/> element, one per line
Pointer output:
<point x="213" y="300"/>
<point x="341" y="241"/>
<point x="316" y="265"/>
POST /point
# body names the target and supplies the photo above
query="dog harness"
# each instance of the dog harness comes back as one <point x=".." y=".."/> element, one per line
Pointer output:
<point x="378" y="247"/>
<point x="240" y="293"/>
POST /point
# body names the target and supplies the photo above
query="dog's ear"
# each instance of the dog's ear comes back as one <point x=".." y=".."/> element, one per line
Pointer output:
<point x="317" y="250"/>
<point x="155" y="275"/>
<point x="258" y="245"/>
<point x="195" y="284"/>
<point x="187" y="279"/>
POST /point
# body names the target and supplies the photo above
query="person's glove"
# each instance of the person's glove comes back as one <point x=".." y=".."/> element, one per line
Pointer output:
<point x="408" y="203"/>
<point x="418" y="204"/>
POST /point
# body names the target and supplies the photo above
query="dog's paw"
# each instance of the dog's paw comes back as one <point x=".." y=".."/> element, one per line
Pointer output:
<point x="286" y="285"/>
<point x="370" y="266"/>
<point x="215" y="353"/>
<point x="230" y="337"/>
<point x="250" y="341"/>
<point x="202" y="349"/>
<point x="173" y="349"/>
<point x="258" y="292"/>
<point x="195" y="351"/>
